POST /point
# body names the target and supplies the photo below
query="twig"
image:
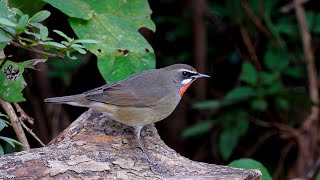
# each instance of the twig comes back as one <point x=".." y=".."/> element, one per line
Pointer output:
<point x="258" y="22"/>
<point x="283" y="156"/>
<point x="314" y="170"/>
<point x="259" y="143"/>
<point x="31" y="133"/>
<point x="290" y="6"/>
<point x="37" y="51"/>
<point x="23" y="115"/>
<point x="15" y="124"/>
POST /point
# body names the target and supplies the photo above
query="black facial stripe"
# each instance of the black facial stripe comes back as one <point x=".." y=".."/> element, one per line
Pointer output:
<point x="188" y="74"/>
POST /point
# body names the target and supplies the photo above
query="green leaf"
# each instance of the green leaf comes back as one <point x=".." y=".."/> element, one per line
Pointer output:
<point x="22" y="23"/>
<point x="11" y="79"/>
<point x="121" y="46"/>
<point x="259" y="105"/>
<point x="247" y="163"/>
<point x="1" y="150"/>
<point x="268" y="78"/>
<point x="7" y="22"/>
<point x="198" y="129"/>
<point x="74" y="8"/>
<point x="2" y="124"/>
<point x="237" y="125"/>
<point x="81" y="51"/>
<point x="208" y="104"/>
<point x="85" y="41"/>
<point x="62" y="34"/>
<point x="40" y="16"/>
<point x="282" y="103"/>
<point x="295" y="72"/>
<point x="54" y="44"/>
<point x="276" y="59"/>
<point x="316" y="28"/>
<point x="4" y="36"/>
<point x="10" y="141"/>
<point x="28" y="6"/>
<point x="44" y="32"/>
<point x="239" y="93"/>
<point x="249" y="73"/>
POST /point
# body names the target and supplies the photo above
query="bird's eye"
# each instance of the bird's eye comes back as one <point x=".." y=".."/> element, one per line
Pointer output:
<point x="185" y="73"/>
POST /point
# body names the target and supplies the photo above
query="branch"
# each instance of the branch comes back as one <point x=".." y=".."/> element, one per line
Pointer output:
<point x="31" y="133"/>
<point x="22" y="115"/>
<point x="15" y="124"/>
<point x="37" y="51"/>
<point x="94" y="146"/>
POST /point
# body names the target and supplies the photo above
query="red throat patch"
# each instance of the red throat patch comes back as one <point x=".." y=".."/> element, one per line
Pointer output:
<point x="184" y="88"/>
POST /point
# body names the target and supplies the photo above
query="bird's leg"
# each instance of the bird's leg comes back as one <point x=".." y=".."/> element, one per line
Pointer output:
<point x="137" y="132"/>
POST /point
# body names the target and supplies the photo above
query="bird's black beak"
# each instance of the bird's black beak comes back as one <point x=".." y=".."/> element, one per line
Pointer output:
<point x="199" y="75"/>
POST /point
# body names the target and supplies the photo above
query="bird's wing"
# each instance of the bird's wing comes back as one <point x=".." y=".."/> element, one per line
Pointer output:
<point x="120" y="95"/>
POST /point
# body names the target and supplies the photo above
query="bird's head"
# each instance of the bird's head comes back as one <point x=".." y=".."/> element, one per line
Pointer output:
<point x="183" y="75"/>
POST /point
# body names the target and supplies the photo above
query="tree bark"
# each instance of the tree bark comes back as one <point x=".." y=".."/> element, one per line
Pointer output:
<point x="96" y="147"/>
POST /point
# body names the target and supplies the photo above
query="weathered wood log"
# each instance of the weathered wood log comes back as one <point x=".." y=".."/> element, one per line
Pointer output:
<point x="96" y="147"/>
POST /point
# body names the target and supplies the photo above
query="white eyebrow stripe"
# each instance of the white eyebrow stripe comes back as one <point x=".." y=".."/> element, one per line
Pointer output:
<point x="187" y="70"/>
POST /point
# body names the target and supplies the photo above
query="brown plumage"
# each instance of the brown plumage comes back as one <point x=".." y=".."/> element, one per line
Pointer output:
<point x="143" y="98"/>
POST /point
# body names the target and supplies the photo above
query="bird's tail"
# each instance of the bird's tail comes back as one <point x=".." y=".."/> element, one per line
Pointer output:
<point x="75" y="100"/>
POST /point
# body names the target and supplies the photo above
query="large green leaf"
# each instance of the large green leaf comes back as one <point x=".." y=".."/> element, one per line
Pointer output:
<point x="122" y="50"/>
<point x="239" y="94"/>
<point x="247" y="163"/>
<point x="73" y="8"/>
<point x="11" y="79"/>
<point x="27" y="6"/>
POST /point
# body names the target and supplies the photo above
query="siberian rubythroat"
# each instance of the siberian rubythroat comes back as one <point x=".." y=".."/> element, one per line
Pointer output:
<point x="141" y="99"/>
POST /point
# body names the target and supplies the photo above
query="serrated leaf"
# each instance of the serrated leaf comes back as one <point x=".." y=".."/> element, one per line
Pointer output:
<point x="121" y="46"/>
<point x="74" y="8"/>
<point x="40" y="16"/>
<point x="246" y="163"/>
<point x="198" y="129"/>
<point x="249" y="73"/>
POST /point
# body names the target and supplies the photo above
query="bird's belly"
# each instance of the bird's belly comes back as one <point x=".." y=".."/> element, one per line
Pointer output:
<point x="134" y="116"/>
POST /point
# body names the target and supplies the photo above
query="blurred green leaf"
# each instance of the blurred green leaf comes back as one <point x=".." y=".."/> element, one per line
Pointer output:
<point x="259" y="104"/>
<point x="295" y="72"/>
<point x="208" y="104"/>
<point x="10" y="141"/>
<point x="63" y="35"/>
<point x="1" y="150"/>
<point x="316" y="28"/>
<point x="29" y="7"/>
<point x="239" y="93"/>
<point x="282" y="103"/>
<point x="235" y="127"/>
<point x="73" y="8"/>
<point x="249" y="73"/>
<point x="267" y="78"/>
<point x="276" y="59"/>
<point x="7" y="22"/>
<point x="2" y="124"/>
<point x="198" y="129"/>
<point x="22" y="23"/>
<point x="40" y="16"/>
<point x="247" y="163"/>
<point x="5" y="37"/>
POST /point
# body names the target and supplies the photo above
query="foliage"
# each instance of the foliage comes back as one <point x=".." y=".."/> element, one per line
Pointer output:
<point x="115" y="24"/>
<point x="247" y="163"/>
<point x="13" y="26"/>
<point x="271" y="87"/>
<point x="10" y="141"/>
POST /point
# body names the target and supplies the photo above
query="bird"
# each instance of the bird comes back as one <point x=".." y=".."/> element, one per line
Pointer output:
<point x="141" y="99"/>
